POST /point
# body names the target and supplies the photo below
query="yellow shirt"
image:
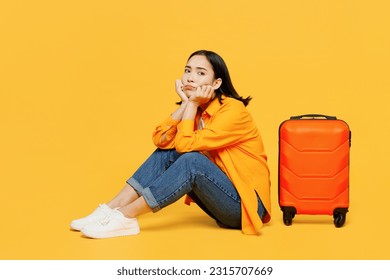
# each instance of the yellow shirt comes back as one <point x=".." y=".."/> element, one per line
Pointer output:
<point x="232" y="141"/>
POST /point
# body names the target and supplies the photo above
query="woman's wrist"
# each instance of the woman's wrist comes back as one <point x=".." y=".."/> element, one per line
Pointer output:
<point x="190" y="111"/>
<point x="183" y="103"/>
<point x="178" y="114"/>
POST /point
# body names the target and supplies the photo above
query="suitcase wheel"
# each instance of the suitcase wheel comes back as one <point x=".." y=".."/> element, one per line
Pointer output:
<point x="288" y="215"/>
<point x="287" y="218"/>
<point x="339" y="216"/>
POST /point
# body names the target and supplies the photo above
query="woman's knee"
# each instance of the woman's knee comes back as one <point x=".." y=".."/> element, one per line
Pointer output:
<point x="191" y="158"/>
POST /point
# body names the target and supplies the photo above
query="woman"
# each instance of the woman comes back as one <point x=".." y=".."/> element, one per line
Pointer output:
<point x="208" y="149"/>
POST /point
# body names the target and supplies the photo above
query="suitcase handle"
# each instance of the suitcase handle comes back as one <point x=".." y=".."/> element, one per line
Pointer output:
<point x="313" y="116"/>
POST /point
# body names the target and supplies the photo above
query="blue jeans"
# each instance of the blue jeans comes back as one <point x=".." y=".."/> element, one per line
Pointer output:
<point x="166" y="176"/>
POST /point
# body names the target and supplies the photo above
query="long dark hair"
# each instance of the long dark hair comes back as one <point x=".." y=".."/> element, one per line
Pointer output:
<point x="221" y="72"/>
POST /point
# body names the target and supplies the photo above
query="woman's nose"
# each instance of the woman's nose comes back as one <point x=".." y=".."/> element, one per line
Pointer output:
<point x="190" y="77"/>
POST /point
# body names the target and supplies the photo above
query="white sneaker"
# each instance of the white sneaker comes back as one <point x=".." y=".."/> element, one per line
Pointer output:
<point x="99" y="213"/>
<point x="115" y="224"/>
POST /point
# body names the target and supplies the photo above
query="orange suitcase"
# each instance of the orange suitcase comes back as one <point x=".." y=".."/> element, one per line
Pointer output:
<point x="314" y="167"/>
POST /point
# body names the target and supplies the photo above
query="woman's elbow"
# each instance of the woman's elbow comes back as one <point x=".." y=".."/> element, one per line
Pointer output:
<point x="182" y="147"/>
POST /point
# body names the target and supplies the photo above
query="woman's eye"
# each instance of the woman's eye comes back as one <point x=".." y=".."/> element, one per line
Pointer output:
<point x="201" y="73"/>
<point x="186" y="70"/>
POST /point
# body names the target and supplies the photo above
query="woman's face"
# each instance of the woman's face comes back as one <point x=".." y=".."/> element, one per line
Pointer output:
<point x="198" y="72"/>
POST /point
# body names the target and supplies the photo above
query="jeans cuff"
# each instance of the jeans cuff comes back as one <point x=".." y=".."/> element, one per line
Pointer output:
<point x="145" y="193"/>
<point x="150" y="200"/>
<point x="136" y="186"/>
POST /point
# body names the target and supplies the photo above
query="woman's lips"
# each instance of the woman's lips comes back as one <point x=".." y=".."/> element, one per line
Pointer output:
<point x="188" y="87"/>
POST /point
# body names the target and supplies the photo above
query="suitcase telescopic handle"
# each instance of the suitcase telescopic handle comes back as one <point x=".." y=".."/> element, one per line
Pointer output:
<point x="313" y="116"/>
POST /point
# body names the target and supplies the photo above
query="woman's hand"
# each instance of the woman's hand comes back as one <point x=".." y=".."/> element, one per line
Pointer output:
<point x="178" y="114"/>
<point x="180" y="92"/>
<point x="202" y="95"/>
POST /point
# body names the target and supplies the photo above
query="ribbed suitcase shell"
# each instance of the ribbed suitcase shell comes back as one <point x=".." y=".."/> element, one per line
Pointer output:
<point x="314" y="165"/>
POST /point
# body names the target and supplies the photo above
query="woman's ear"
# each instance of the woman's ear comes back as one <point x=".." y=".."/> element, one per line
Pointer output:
<point x="217" y="83"/>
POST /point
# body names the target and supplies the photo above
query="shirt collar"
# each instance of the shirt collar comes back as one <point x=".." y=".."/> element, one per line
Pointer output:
<point x="214" y="106"/>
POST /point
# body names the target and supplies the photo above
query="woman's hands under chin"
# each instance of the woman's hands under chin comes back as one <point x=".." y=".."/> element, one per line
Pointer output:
<point x="202" y="95"/>
<point x="179" y="90"/>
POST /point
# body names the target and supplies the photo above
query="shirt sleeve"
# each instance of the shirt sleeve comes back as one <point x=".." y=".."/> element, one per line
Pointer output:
<point x="164" y="134"/>
<point x="230" y="125"/>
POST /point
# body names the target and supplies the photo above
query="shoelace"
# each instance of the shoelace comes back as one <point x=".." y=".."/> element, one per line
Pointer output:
<point x="105" y="220"/>
<point x="108" y="217"/>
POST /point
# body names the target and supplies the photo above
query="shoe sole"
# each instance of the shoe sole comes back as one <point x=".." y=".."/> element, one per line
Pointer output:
<point x="76" y="228"/>
<point x="80" y="227"/>
<point x="100" y="235"/>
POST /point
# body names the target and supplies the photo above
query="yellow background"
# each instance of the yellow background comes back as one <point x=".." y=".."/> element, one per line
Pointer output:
<point x="83" y="83"/>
